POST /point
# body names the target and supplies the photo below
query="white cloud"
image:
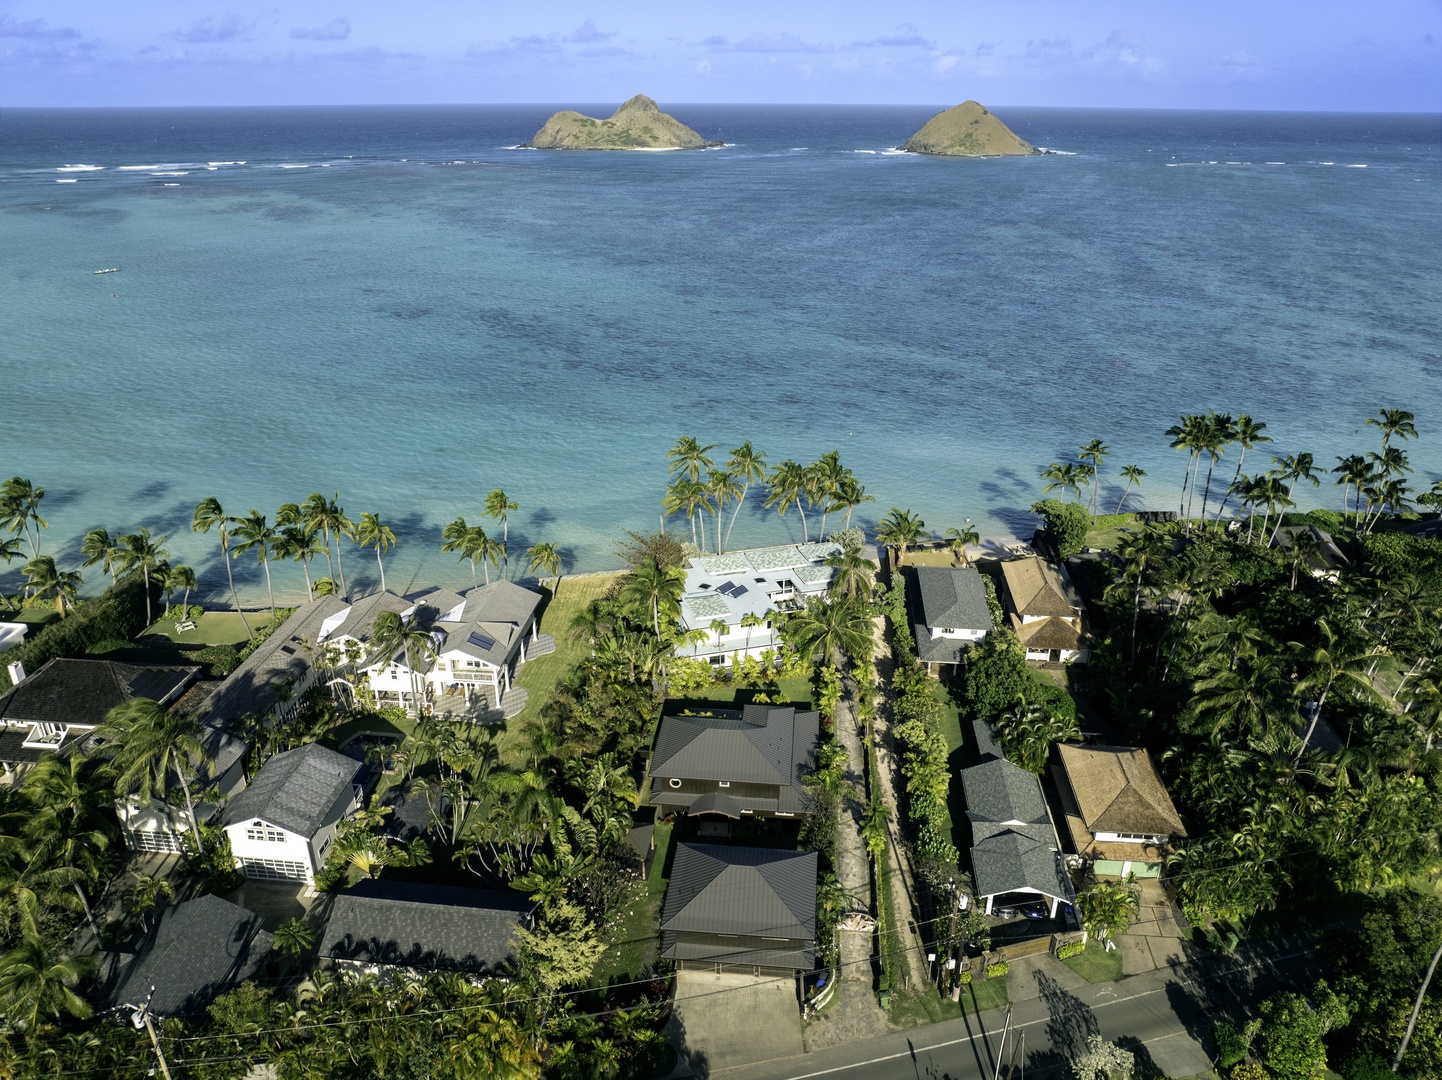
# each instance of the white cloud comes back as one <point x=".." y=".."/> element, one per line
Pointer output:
<point x="36" y="30"/>
<point x="226" y="26"/>
<point x="338" y="29"/>
<point x="589" y="33"/>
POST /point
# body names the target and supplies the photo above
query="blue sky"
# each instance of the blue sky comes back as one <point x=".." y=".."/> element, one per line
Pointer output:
<point x="1257" y="54"/>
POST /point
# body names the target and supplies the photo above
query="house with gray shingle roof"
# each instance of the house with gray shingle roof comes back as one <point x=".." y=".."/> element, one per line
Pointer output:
<point x="377" y="926"/>
<point x="740" y="909"/>
<point x="282" y="826"/>
<point x="949" y="614"/>
<point x="198" y="950"/>
<point x="1015" y="852"/>
<point x="735" y="764"/>
<point x="734" y="598"/>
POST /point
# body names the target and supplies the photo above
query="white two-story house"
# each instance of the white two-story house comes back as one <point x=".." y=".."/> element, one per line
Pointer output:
<point x="1045" y="610"/>
<point x="282" y="826"/>
<point x="949" y="614"/>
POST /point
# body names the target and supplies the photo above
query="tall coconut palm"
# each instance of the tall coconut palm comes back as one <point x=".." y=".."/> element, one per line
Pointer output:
<point x="328" y="516"/>
<point x="36" y="986"/>
<point x="820" y="630"/>
<point x="294" y="543"/>
<point x="1190" y="435"/>
<point x="851" y="575"/>
<point x="178" y="577"/>
<point x="655" y="588"/>
<point x="748" y="466"/>
<point x="1338" y="660"/>
<point x="254" y="533"/>
<point x="688" y="458"/>
<point x="722" y="487"/>
<point x="391" y="634"/>
<point x="961" y="540"/>
<point x="1352" y="471"/>
<point x="823" y="481"/>
<point x="145" y="744"/>
<point x="68" y="820"/>
<point x="1247" y="434"/>
<point x="1064" y="477"/>
<point x="457" y="537"/>
<point x="209" y="514"/>
<point x="100" y="547"/>
<point x="141" y="551"/>
<point x="1393" y="422"/>
<point x="1093" y="454"/>
<point x="849" y="496"/>
<point x="787" y="485"/>
<point x="44" y="578"/>
<point x="544" y="556"/>
<point x="1133" y="475"/>
<point x="1294" y="467"/>
<point x="1219" y="433"/>
<point x="1270" y="493"/>
<point x="20" y="510"/>
<point x="370" y="533"/>
<point x="686" y="496"/>
<point x="499" y="505"/>
<point x="900" y="529"/>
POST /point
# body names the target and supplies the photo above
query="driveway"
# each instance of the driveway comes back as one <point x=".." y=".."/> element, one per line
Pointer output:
<point x="721" y="1021"/>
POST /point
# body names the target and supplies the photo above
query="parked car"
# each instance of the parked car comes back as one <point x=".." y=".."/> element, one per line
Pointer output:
<point x="1004" y="913"/>
<point x="1035" y="911"/>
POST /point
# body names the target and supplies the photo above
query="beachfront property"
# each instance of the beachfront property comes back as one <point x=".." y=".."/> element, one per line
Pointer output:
<point x="282" y="826"/>
<point x="949" y="614"/>
<point x="731" y="764"/>
<point x="740" y="909"/>
<point x="730" y="602"/>
<point x="1322" y="557"/>
<point x="1118" y="813"/>
<point x="480" y="638"/>
<point x="384" y="927"/>
<point x="1046" y="611"/>
<point x="1015" y="854"/>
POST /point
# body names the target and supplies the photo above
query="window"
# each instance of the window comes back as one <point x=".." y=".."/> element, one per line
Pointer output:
<point x="264" y="834"/>
<point x="675" y="781"/>
<point x="724" y="783"/>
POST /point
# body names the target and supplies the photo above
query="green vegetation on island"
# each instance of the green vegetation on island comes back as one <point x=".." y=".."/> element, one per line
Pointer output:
<point x="967" y="130"/>
<point x="637" y="125"/>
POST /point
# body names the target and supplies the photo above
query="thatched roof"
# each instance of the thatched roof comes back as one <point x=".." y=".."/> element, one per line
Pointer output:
<point x="1118" y="790"/>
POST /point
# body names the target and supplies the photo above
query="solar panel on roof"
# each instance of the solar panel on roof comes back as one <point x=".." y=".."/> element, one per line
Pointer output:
<point x="728" y="588"/>
<point x="481" y="641"/>
<point x="737" y="590"/>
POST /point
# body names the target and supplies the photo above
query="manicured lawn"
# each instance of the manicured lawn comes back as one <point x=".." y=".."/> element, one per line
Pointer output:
<point x="923" y="1005"/>
<point x="632" y="938"/>
<point x="337" y="737"/>
<point x="212" y="628"/>
<point x="939" y="557"/>
<point x="1095" y="964"/>
<point x="793" y="691"/>
<point x="541" y="676"/>
<point x="1112" y="530"/>
<point x="35" y="617"/>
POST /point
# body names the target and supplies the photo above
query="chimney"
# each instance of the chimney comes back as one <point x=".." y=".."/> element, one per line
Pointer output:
<point x="17" y="673"/>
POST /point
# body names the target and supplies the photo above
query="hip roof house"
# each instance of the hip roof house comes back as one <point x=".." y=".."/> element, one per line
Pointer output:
<point x="1046" y="611"/>
<point x="949" y="614"/>
<point x="740" y="909"/>
<point x="1117" y="811"/>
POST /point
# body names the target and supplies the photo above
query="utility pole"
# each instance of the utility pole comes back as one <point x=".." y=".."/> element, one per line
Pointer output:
<point x="141" y="1019"/>
<point x="1416" y="1008"/>
<point x="1001" y="1050"/>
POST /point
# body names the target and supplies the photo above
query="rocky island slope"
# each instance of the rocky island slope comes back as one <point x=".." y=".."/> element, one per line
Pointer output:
<point x="637" y="125"/>
<point x="967" y="130"/>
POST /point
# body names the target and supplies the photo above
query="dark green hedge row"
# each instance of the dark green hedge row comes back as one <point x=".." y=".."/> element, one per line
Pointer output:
<point x="118" y="614"/>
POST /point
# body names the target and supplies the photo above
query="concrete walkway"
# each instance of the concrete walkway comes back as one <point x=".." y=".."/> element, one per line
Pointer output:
<point x="854" y="1014"/>
<point x="725" y="1020"/>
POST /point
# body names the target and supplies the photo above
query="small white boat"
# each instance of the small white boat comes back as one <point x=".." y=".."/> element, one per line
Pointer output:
<point x="112" y="270"/>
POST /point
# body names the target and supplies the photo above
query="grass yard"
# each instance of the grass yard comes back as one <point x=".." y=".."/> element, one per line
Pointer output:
<point x="1095" y="964"/>
<point x="212" y="628"/>
<point x="541" y="676"/>
<point x="951" y="728"/>
<point x="792" y="691"/>
<point x="337" y="737"/>
<point x="35" y="618"/>
<point x="1111" y="530"/>
<point x="934" y="557"/>
<point x="632" y="940"/>
<point x="918" y="1005"/>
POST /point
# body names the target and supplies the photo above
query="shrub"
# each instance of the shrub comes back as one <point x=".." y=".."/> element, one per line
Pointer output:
<point x="1067" y="525"/>
<point x="997" y="968"/>
<point x="1069" y="949"/>
<point x="222" y="659"/>
<point x="118" y="614"/>
<point x="1232" y="1045"/>
<point x="965" y="977"/>
<point x="109" y="645"/>
<point x="1249" y="1070"/>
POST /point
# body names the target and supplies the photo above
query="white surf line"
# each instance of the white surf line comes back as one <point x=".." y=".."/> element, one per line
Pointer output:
<point x="984" y="1034"/>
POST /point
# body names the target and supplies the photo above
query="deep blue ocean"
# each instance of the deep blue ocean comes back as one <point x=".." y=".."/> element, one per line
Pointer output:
<point x="396" y="303"/>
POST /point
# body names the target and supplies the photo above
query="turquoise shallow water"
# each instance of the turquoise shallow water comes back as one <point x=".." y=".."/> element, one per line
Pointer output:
<point x="421" y="314"/>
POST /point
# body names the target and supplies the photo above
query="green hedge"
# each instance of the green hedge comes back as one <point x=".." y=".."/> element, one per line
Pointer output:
<point x="118" y="614"/>
<point x="1070" y="949"/>
<point x="997" y="969"/>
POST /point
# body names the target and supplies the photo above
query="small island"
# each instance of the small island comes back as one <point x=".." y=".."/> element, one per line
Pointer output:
<point x="637" y="125"/>
<point x="967" y="130"/>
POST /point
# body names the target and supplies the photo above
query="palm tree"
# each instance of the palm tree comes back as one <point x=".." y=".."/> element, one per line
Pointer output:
<point x="785" y="485"/>
<point x="1269" y="492"/>
<point x="255" y="534"/>
<point x="688" y="458"/>
<point x="1219" y="433"/>
<point x="544" y="556"/>
<point x="1109" y="907"/>
<point x="499" y="506"/>
<point x="294" y="543"/>
<point x="1294" y="467"/>
<point x="1190" y="435"/>
<point x="820" y="630"/>
<point x="99" y="547"/>
<point x="1029" y="733"/>
<point x="139" y="550"/>
<point x="20" y="508"/>
<point x="328" y="516"/>
<point x="69" y="823"/>
<point x="145" y="895"/>
<point x="369" y="532"/>
<point x="1065" y="477"/>
<point x="391" y="634"/>
<point x="749" y="467"/>
<point x="1246" y="433"/>
<point x="46" y="579"/>
<point x="1133" y="475"/>
<point x="210" y="515"/>
<point x="33" y="983"/>
<point x="961" y="539"/>
<point x="457" y="537"/>
<point x="686" y="496"/>
<point x="654" y="588"/>
<point x="722" y="487"/>
<point x="293" y="937"/>
<point x="144" y="743"/>
<point x="849" y="496"/>
<point x="900" y="529"/>
<point x="1391" y="421"/>
<point x="1352" y="471"/>
<point x="178" y="577"/>
<point x="1093" y="454"/>
<point x="823" y="481"/>
<point x="1336" y="660"/>
<point x="852" y="574"/>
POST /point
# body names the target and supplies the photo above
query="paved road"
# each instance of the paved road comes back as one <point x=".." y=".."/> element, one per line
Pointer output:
<point x="1164" y="1017"/>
